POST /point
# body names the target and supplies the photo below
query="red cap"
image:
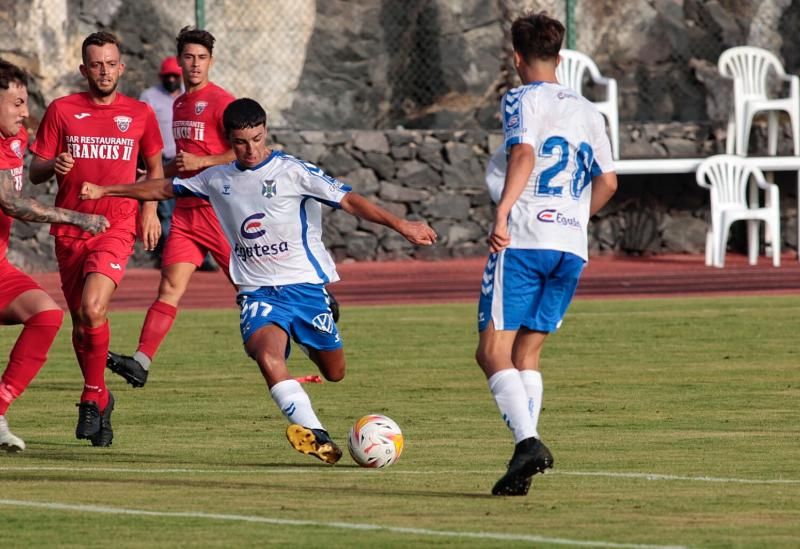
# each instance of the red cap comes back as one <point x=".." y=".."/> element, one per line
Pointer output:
<point x="170" y="66"/>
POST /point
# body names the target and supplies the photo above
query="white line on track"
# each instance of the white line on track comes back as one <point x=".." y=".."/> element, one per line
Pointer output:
<point x="352" y="470"/>
<point x="318" y="524"/>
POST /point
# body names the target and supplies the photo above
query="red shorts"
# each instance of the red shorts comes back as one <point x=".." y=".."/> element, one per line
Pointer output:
<point x="193" y="233"/>
<point x="13" y="283"/>
<point x="106" y="253"/>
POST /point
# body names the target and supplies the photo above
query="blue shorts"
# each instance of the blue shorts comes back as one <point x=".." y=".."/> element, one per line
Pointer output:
<point x="300" y="310"/>
<point x="528" y="288"/>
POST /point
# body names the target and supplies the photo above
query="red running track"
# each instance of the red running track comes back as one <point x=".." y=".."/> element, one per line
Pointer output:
<point x="459" y="280"/>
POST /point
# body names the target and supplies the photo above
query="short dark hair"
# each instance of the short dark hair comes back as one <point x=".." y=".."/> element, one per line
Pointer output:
<point x="192" y="35"/>
<point x="9" y="73"/>
<point x="243" y="113"/>
<point x="537" y="36"/>
<point x="100" y="38"/>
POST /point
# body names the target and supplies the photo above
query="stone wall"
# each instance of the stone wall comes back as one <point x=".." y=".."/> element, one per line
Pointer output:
<point x="438" y="176"/>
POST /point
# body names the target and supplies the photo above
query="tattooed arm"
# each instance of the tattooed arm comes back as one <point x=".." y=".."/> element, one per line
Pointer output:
<point x="28" y="209"/>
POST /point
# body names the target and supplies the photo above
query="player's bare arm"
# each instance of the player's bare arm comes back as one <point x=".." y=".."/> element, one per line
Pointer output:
<point x="154" y="189"/>
<point x="149" y="225"/>
<point x="520" y="166"/>
<point x="42" y="170"/>
<point x="603" y="188"/>
<point x="186" y="161"/>
<point x="28" y="209"/>
<point x="416" y="232"/>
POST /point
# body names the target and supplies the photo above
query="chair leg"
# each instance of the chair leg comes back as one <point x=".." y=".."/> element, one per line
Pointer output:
<point x="775" y="230"/>
<point x="730" y="136"/>
<point x="710" y="252"/>
<point x="722" y="243"/>
<point x="772" y="133"/>
<point x="744" y="135"/>
<point x="794" y="118"/>
<point x="752" y="242"/>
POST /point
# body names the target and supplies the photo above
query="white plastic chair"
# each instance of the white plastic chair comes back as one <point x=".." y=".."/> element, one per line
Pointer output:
<point x="727" y="177"/>
<point x="570" y="72"/>
<point x="749" y="68"/>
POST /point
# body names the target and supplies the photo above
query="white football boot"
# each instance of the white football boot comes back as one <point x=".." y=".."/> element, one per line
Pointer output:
<point x="9" y="442"/>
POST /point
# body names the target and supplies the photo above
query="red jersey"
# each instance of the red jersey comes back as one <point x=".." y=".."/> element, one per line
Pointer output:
<point x="105" y="141"/>
<point x="197" y="128"/>
<point x="12" y="149"/>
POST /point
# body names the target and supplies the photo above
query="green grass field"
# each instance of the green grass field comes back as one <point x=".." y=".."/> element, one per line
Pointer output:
<point x="672" y="422"/>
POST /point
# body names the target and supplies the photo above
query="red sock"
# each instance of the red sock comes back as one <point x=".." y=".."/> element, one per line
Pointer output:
<point x="77" y="344"/>
<point x="95" y="353"/>
<point x="28" y="354"/>
<point x="157" y="323"/>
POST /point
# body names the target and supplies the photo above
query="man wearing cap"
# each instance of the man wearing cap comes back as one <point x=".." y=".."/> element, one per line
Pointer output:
<point x="161" y="97"/>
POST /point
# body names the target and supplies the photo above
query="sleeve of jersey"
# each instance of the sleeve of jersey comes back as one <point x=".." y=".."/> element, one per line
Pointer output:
<point x="518" y="118"/>
<point x="603" y="159"/>
<point x="195" y="186"/>
<point x="48" y="137"/>
<point x="322" y="187"/>
<point x="151" y="138"/>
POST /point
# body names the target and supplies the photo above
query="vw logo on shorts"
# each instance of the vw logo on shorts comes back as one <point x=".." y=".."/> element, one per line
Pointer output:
<point x="251" y="227"/>
<point x="323" y="323"/>
<point x="547" y="216"/>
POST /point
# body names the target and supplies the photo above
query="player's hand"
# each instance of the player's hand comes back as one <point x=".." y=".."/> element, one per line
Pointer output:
<point x="149" y="229"/>
<point x="64" y="163"/>
<point x="94" y="224"/>
<point x="186" y="161"/>
<point x="90" y="191"/>
<point x="418" y="232"/>
<point x="499" y="238"/>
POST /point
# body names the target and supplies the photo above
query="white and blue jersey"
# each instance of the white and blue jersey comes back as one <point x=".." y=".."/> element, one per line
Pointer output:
<point x="272" y="217"/>
<point x="531" y="282"/>
<point x="567" y="134"/>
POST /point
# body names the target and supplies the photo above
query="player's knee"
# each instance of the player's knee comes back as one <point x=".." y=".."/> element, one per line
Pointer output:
<point x="93" y="314"/>
<point x="334" y="375"/>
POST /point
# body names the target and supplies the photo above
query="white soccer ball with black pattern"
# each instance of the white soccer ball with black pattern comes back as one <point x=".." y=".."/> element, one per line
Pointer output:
<point x="375" y="441"/>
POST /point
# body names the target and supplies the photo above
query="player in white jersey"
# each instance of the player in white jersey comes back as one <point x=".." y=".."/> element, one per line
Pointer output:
<point x="269" y="206"/>
<point x="559" y="172"/>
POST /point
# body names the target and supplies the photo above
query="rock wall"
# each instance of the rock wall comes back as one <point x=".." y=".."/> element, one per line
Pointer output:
<point x="437" y="175"/>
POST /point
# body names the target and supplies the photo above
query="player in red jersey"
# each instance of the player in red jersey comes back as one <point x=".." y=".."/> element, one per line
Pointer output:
<point x="97" y="135"/>
<point x="200" y="142"/>
<point x="22" y="301"/>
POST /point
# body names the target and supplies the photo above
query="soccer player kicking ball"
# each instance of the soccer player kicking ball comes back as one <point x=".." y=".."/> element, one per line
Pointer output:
<point x="22" y="301"/>
<point x="559" y="174"/>
<point x="269" y="206"/>
<point x="97" y="135"/>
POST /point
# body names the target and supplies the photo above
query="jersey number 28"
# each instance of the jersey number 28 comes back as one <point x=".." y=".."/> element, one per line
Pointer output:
<point x="580" y="167"/>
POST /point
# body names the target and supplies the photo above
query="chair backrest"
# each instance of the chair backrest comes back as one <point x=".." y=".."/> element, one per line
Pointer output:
<point x="572" y="67"/>
<point x="749" y="66"/>
<point x="726" y="177"/>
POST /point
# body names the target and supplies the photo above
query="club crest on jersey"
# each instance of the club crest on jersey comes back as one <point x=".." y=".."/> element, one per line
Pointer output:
<point x="123" y="122"/>
<point x="200" y="106"/>
<point x="252" y="227"/>
<point x="16" y="146"/>
<point x="269" y="188"/>
<point x="226" y="189"/>
<point x="323" y="323"/>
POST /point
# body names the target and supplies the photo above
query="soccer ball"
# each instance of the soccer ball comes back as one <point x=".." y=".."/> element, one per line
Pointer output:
<point x="375" y="441"/>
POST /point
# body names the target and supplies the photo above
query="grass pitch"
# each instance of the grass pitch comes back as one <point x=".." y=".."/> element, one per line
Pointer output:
<point x="672" y="422"/>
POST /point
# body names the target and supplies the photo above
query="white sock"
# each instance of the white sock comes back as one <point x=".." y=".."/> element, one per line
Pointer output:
<point x="293" y="401"/>
<point x="142" y="359"/>
<point x="534" y="388"/>
<point x="509" y="394"/>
